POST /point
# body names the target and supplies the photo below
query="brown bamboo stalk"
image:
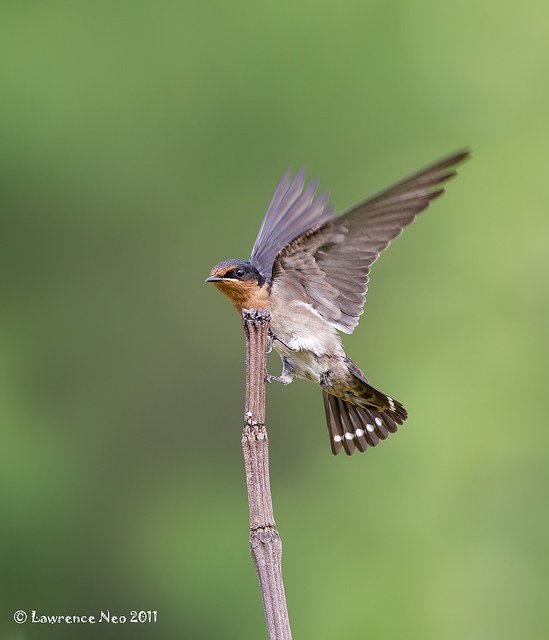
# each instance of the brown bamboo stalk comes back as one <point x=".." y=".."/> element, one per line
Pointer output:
<point x="265" y="542"/>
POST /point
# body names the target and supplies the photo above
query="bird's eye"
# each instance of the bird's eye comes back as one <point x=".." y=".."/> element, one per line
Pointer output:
<point x="239" y="273"/>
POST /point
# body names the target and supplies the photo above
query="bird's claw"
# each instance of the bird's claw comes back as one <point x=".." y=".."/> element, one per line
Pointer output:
<point x="284" y="379"/>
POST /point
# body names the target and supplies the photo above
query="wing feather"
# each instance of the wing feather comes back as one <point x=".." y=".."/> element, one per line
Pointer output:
<point x="292" y="212"/>
<point x="332" y="261"/>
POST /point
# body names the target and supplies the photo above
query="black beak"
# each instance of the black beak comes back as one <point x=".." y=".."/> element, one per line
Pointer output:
<point x="213" y="279"/>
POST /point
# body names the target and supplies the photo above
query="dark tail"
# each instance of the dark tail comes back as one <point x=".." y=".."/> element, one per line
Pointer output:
<point x="362" y="423"/>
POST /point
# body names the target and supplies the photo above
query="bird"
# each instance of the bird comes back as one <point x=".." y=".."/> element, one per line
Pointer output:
<point x="311" y="270"/>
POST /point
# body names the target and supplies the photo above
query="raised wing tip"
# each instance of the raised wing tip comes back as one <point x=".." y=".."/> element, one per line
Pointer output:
<point x="436" y="194"/>
<point x="323" y="198"/>
<point x="299" y="178"/>
<point x="448" y="165"/>
<point x="466" y="152"/>
<point x="459" y="156"/>
<point x="293" y="210"/>
<point x="313" y="185"/>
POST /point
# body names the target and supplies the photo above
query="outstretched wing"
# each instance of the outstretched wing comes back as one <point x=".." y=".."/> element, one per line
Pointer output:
<point x="328" y="267"/>
<point x="292" y="212"/>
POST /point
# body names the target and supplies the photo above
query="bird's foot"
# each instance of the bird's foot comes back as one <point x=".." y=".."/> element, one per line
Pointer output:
<point x="285" y="378"/>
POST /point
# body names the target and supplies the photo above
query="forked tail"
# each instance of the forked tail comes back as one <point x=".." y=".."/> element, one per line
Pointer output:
<point x="361" y="423"/>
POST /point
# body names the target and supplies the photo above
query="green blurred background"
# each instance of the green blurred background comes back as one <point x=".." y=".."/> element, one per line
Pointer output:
<point x="140" y="144"/>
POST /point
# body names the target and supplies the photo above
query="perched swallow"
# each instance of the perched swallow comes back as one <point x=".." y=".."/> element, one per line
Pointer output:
<point x="311" y="271"/>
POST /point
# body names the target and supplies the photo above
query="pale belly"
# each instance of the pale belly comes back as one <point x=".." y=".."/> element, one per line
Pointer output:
<point x="312" y="343"/>
<point x="304" y="364"/>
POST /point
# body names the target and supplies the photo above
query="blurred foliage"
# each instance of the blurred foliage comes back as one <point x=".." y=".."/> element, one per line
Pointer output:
<point x="140" y="144"/>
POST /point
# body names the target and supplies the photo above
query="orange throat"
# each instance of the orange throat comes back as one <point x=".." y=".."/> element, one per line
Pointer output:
<point x="245" y="295"/>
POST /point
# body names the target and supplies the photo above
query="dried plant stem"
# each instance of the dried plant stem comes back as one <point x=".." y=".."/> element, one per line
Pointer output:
<point x="265" y="543"/>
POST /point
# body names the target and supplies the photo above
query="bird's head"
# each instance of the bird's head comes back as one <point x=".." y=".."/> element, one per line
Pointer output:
<point x="242" y="283"/>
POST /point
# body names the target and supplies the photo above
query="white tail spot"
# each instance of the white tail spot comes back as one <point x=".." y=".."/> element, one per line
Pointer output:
<point x="359" y="433"/>
<point x="337" y="438"/>
<point x="349" y="435"/>
<point x="369" y="427"/>
<point x="379" y="422"/>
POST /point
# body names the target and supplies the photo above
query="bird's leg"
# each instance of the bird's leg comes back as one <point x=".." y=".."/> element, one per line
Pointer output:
<point x="287" y="374"/>
<point x="274" y="337"/>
